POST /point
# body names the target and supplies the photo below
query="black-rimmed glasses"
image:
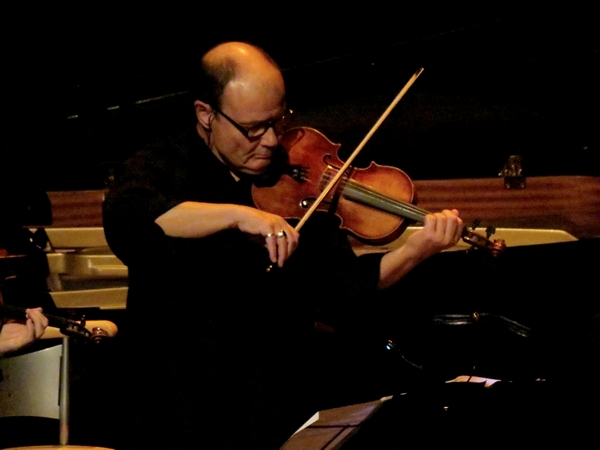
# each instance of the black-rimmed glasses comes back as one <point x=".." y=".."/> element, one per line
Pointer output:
<point x="257" y="131"/>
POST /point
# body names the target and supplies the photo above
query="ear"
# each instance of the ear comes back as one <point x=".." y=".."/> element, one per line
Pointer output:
<point x="204" y="114"/>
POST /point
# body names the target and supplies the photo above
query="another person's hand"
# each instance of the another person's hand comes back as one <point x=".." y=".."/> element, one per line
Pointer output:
<point x="14" y="335"/>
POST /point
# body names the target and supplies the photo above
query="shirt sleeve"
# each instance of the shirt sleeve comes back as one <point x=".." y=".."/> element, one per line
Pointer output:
<point x="135" y="199"/>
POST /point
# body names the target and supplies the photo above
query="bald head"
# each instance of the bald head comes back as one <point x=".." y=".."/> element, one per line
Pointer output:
<point x="241" y="107"/>
<point x="238" y="65"/>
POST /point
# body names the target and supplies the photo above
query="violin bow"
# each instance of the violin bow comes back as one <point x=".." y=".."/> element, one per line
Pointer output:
<point x="356" y="151"/>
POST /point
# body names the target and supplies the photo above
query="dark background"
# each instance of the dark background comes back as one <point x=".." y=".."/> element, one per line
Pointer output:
<point x="86" y="86"/>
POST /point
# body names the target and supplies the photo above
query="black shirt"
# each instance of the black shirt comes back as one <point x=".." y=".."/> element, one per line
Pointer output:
<point x="227" y="344"/>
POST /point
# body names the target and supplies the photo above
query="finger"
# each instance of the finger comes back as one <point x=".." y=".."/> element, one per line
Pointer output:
<point x="36" y="322"/>
<point x="460" y="226"/>
<point x="38" y="329"/>
<point x="291" y="240"/>
<point x="450" y="226"/>
<point x="291" y="244"/>
<point x="271" y="242"/>
<point x="287" y="241"/>
<point x="39" y="312"/>
<point x="282" y="247"/>
<point x="455" y="225"/>
<point x="430" y="223"/>
<point x="443" y="228"/>
<point x="30" y="325"/>
<point x="439" y="225"/>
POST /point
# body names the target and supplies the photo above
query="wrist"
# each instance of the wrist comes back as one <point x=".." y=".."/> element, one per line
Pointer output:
<point x="236" y="214"/>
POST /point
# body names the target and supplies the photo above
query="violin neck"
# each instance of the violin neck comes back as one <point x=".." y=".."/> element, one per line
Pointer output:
<point x="362" y="194"/>
<point x="16" y="313"/>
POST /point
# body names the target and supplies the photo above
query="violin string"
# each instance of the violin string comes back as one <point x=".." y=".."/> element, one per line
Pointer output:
<point x="408" y="207"/>
<point x="327" y="189"/>
<point x="372" y="198"/>
<point x="365" y="192"/>
<point x="376" y="197"/>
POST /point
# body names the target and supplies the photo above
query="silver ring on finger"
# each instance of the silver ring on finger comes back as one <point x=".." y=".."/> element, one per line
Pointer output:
<point x="281" y="235"/>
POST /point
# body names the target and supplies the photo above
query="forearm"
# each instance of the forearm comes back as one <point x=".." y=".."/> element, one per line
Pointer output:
<point x="396" y="264"/>
<point x="440" y="231"/>
<point x="195" y="220"/>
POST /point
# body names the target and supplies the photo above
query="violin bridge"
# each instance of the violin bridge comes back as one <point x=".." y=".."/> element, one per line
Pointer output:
<point x="298" y="173"/>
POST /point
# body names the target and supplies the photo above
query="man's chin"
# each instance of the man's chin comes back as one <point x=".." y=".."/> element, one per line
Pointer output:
<point x="259" y="166"/>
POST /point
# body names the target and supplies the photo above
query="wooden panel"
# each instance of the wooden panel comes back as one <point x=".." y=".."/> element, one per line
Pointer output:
<point x="76" y="208"/>
<point x="569" y="203"/>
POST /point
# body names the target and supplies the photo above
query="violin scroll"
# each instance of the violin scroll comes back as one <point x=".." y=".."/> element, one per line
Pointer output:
<point x="475" y="240"/>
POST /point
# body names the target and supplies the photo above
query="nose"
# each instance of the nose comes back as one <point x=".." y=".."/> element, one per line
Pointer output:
<point x="270" y="138"/>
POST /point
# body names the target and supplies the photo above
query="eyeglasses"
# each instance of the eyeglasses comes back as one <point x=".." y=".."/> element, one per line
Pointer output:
<point x="258" y="131"/>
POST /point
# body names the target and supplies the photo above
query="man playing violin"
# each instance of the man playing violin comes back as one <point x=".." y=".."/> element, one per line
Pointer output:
<point x="245" y="139"/>
<point x="229" y="345"/>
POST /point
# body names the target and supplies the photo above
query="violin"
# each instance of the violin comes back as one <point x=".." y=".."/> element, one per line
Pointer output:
<point x="375" y="204"/>
<point x="372" y="203"/>
<point x="367" y="201"/>
<point x="67" y="327"/>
